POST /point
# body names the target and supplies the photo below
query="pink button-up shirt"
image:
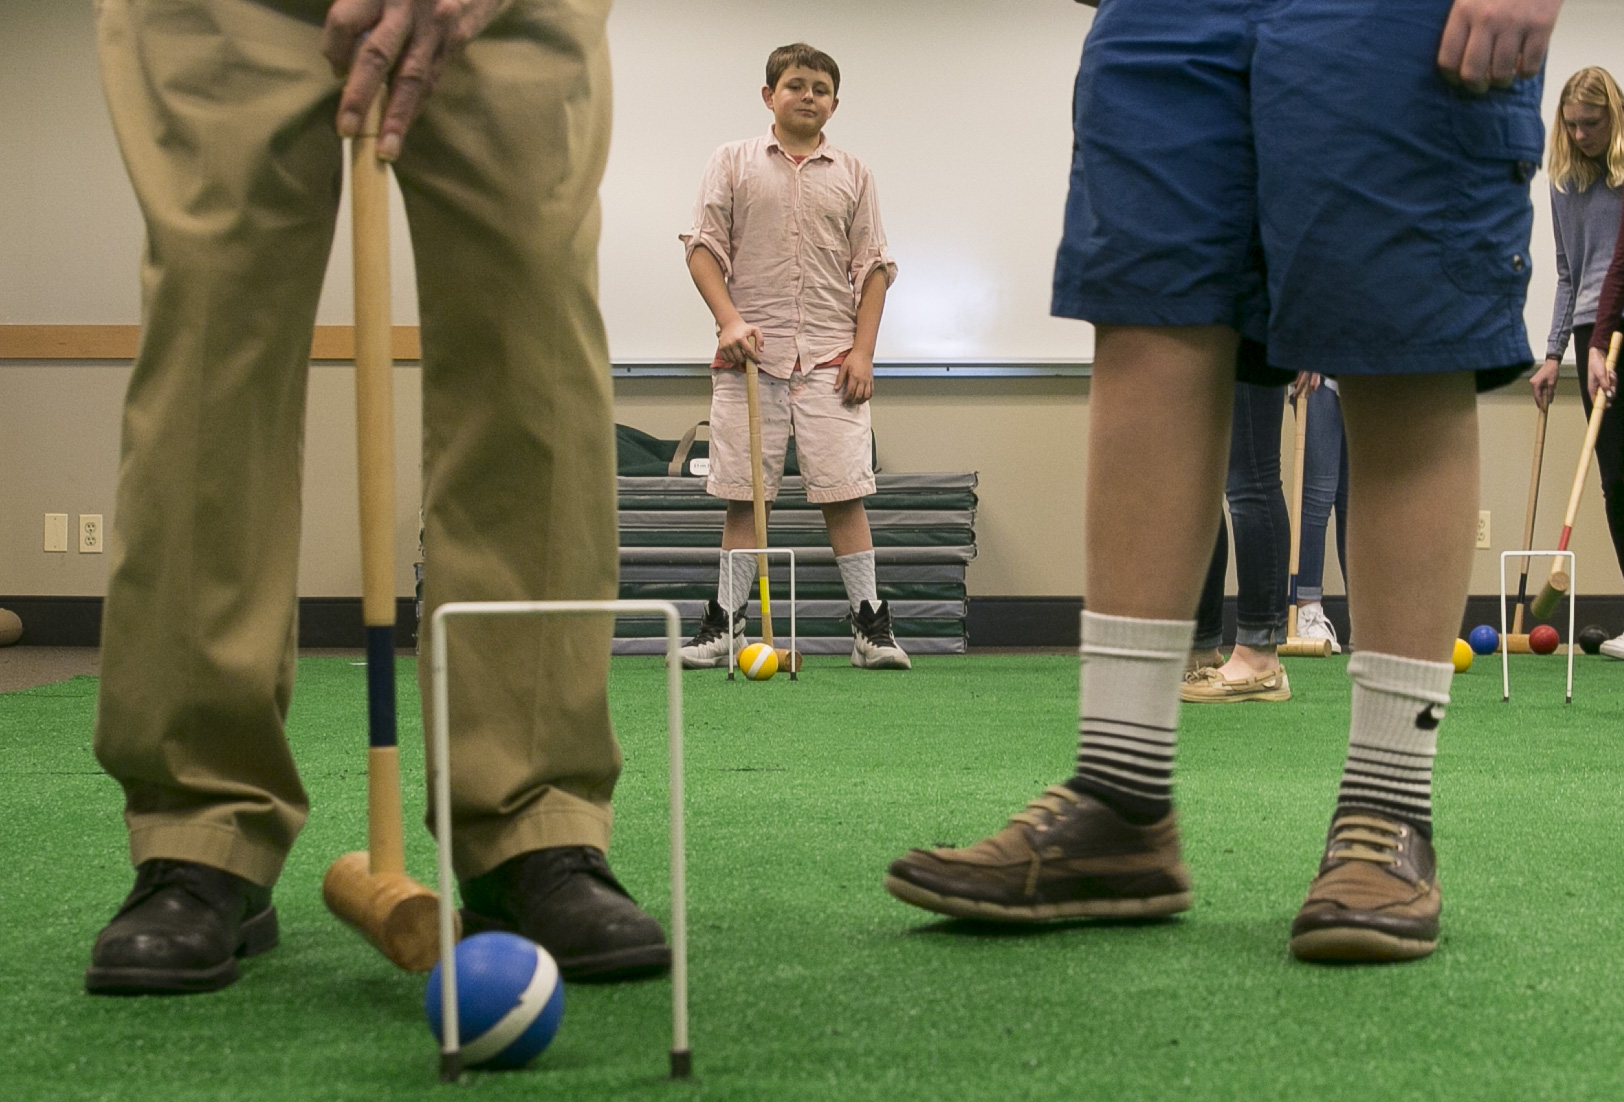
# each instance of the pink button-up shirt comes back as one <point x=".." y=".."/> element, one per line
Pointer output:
<point x="796" y="243"/>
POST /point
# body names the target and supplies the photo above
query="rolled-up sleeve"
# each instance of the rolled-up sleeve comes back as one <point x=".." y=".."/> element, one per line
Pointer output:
<point x="712" y="224"/>
<point x="868" y="249"/>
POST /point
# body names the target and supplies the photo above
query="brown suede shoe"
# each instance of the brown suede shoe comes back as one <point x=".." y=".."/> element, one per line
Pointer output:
<point x="1207" y="686"/>
<point x="1376" y="896"/>
<point x="1065" y="856"/>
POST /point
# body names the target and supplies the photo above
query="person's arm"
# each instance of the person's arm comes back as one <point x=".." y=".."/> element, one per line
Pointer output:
<point x="737" y="340"/>
<point x="871" y="273"/>
<point x="405" y="42"/>
<point x="1492" y="42"/>
<point x="856" y="378"/>
<point x="1543" y="381"/>
<point x="1608" y="308"/>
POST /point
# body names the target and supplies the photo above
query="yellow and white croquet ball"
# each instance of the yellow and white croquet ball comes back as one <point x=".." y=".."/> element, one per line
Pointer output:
<point x="758" y="662"/>
<point x="1462" y="656"/>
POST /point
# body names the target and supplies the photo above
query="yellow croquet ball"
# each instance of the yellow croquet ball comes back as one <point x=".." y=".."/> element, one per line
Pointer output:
<point x="1463" y="656"/>
<point x="758" y="662"/>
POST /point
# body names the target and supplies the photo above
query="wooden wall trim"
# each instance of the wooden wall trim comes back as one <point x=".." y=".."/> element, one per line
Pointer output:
<point x="119" y="342"/>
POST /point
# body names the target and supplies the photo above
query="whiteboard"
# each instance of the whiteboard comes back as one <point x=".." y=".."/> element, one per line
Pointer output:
<point x="961" y="108"/>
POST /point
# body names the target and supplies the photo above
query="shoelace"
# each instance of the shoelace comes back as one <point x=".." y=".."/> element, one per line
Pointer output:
<point x="162" y="875"/>
<point x="712" y="630"/>
<point x="1043" y="811"/>
<point x="1365" y="838"/>
<point x="878" y="630"/>
<point x="1316" y="619"/>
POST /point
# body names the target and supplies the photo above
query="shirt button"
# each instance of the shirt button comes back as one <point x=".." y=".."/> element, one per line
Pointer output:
<point x="1517" y="262"/>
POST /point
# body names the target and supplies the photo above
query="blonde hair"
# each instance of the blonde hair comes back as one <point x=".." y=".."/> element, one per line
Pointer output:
<point x="1570" y="168"/>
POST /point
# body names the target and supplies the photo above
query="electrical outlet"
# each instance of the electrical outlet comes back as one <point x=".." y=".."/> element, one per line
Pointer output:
<point x="56" y="531"/>
<point x="90" y="533"/>
<point x="1483" y="530"/>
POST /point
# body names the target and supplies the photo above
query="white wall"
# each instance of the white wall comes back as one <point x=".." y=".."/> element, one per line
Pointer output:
<point x="70" y="242"/>
<point x="962" y="108"/>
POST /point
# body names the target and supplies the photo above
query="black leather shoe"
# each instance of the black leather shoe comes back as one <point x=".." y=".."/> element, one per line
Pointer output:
<point x="180" y="932"/>
<point x="566" y="900"/>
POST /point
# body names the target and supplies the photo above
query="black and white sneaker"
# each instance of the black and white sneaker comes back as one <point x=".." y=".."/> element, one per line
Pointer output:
<point x="873" y="646"/>
<point x="708" y="648"/>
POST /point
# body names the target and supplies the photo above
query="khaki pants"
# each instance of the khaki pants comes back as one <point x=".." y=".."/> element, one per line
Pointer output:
<point x="224" y="112"/>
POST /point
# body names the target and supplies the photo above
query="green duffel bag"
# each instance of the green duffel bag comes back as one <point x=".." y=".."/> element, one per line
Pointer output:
<point x="643" y="455"/>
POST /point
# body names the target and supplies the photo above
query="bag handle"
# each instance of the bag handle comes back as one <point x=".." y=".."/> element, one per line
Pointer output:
<point x="674" y="468"/>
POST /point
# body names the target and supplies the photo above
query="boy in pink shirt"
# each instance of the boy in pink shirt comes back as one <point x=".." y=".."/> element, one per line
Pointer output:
<point x="787" y="250"/>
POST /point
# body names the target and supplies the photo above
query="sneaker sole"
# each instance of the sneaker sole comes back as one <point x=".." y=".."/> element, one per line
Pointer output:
<point x="1613" y="649"/>
<point x="1356" y="945"/>
<point x="881" y="665"/>
<point x="902" y="663"/>
<point x="718" y="663"/>
<point x="1160" y="906"/>
<point x="258" y="934"/>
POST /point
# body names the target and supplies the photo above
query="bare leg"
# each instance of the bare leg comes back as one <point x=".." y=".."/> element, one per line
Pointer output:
<point x="739" y="528"/>
<point x="1158" y="446"/>
<point x="848" y="526"/>
<point x="1412" y="510"/>
<point x="1247" y="662"/>
<point x="1106" y="841"/>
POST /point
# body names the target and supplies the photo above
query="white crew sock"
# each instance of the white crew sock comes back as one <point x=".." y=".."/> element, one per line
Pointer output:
<point x="1397" y="706"/>
<point x="1128" y="712"/>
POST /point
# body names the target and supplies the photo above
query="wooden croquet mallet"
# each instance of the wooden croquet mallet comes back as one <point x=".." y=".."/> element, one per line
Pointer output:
<point x="370" y="890"/>
<point x="1295" y="646"/>
<point x="1517" y="640"/>
<point x="787" y="659"/>
<point x="1557" y="584"/>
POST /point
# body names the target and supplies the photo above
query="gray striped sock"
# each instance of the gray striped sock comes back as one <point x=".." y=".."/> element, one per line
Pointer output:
<point x="1397" y="706"/>
<point x="1128" y="719"/>
<point x="742" y="586"/>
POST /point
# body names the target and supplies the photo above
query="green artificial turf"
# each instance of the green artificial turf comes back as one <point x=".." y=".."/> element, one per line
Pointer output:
<point x="809" y="982"/>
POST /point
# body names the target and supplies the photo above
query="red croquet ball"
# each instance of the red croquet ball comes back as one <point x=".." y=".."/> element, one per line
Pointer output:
<point x="1543" y="639"/>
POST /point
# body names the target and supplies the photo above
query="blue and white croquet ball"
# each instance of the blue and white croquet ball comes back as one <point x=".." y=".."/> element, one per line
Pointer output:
<point x="510" y="1000"/>
<point x="758" y="662"/>
<point x="1484" y="639"/>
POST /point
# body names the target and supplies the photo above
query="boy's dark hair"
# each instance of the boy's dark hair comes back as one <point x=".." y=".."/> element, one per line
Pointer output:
<point x="807" y="57"/>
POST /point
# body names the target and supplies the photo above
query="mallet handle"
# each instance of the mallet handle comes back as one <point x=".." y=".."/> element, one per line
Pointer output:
<point x="375" y="451"/>
<point x="1528" y="519"/>
<point x="1598" y="408"/>
<point x="1297" y="504"/>
<point x="758" y="493"/>
<point x="1558" y="582"/>
<point x="374" y="364"/>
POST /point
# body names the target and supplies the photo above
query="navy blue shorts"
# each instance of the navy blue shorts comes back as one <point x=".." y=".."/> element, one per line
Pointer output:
<point x="1299" y="170"/>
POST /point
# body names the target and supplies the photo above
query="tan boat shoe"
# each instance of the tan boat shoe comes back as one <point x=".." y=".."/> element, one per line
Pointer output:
<point x="1208" y="686"/>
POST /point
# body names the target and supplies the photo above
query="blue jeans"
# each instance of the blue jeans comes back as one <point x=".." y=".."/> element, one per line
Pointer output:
<point x="1325" y="486"/>
<point x="1262" y="527"/>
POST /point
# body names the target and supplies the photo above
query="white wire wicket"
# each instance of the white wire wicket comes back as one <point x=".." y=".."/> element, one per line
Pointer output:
<point x="1573" y="594"/>
<point x="766" y="611"/>
<point x="451" y="1040"/>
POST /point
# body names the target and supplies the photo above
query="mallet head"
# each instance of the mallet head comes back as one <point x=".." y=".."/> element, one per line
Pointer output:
<point x="399" y="916"/>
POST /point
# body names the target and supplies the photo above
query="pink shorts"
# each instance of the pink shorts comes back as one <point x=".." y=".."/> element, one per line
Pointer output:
<point x="832" y="439"/>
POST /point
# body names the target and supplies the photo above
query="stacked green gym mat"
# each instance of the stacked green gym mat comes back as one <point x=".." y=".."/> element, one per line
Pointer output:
<point x="671" y="535"/>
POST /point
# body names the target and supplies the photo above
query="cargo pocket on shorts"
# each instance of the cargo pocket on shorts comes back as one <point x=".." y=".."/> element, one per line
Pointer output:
<point x="1499" y="139"/>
